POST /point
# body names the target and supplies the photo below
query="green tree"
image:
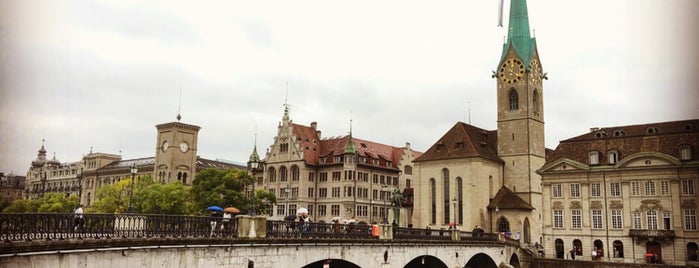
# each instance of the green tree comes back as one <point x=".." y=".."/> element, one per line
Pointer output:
<point x="50" y="202"/>
<point x="112" y="198"/>
<point x="221" y="188"/>
<point x="264" y="201"/>
<point x="156" y="198"/>
<point x="23" y="206"/>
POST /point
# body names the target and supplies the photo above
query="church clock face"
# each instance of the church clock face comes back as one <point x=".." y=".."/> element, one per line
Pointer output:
<point x="165" y="145"/>
<point x="511" y="71"/>
<point x="184" y="147"/>
<point x="536" y="72"/>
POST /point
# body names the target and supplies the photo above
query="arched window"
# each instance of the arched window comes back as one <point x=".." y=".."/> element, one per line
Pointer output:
<point x="433" y="201"/>
<point x="618" y="249"/>
<point x="272" y="174"/>
<point x="654" y="251"/>
<point x="460" y="199"/>
<point x="578" y="247"/>
<point x="282" y="174"/>
<point x="445" y="182"/>
<point x="527" y="236"/>
<point x="294" y="173"/>
<point x="560" y="251"/>
<point x="514" y="100"/>
<point x="599" y="247"/>
<point x="692" y="251"/>
<point x="184" y="178"/>
<point x="89" y="198"/>
<point x="179" y="176"/>
<point x="503" y="225"/>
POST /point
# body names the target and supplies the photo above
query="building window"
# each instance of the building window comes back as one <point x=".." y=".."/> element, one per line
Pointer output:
<point x="409" y="170"/>
<point x="337" y="175"/>
<point x="575" y="189"/>
<point x="595" y="189"/>
<point x="612" y="157"/>
<point x="433" y="201"/>
<point x="615" y="189"/>
<point x="618" y="249"/>
<point x="294" y="173"/>
<point x="322" y="210"/>
<point x="687" y="187"/>
<point x="690" y="219"/>
<point x="447" y="205"/>
<point x="617" y="217"/>
<point x="514" y="100"/>
<point x="322" y="193"/>
<point x="557" y="190"/>
<point x="664" y="187"/>
<point x="281" y="209"/>
<point x="597" y="219"/>
<point x="652" y="219"/>
<point x="685" y="152"/>
<point x="635" y="188"/>
<point x="335" y="192"/>
<point x="576" y="219"/>
<point x="650" y="188"/>
<point x="692" y="250"/>
<point x="310" y="192"/>
<point x="335" y="210"/>
<point x="272" y="175"/>
<point x="362" y="211"/>
<point x="637" y="220"/>
<point x="594" y="158"/>
<point x="666" y="221"/>
<point x="282" y="174"/>
<point x="558" y="218"/>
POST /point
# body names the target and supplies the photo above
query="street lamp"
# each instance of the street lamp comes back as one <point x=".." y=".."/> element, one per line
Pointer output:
<point x="384" y="196"/>
<point x="254" y="164"/>
<point x="134" y="169"/>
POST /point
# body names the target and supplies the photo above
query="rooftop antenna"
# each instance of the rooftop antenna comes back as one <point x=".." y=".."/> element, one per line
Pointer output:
<point x="286" y="96"/>
<point x="179" y="106"/>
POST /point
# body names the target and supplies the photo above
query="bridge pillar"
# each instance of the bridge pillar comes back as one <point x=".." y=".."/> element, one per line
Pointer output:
<point x="385" y="231"/>
<point x="252" y="226"/>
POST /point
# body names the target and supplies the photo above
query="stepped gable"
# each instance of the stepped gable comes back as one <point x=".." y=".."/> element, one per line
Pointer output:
<point x="463" y="141"/>
<point x="661" y="138"/>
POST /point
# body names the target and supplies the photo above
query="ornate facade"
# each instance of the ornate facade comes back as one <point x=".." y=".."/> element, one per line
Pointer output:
<point x="626" y="192"/>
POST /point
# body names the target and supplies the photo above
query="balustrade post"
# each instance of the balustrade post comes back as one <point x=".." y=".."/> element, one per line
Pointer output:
<point x="386" y="231"/>
<point x="252" y="226"/>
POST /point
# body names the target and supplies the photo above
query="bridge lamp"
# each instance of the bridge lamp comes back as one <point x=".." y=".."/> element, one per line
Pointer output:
<point x="134" y="169"/>
<point x="384" y="188"/>
<point x="254" y="164"/>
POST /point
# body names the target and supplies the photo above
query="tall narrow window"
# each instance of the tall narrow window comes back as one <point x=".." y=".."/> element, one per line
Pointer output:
<point x="637" y="220"/>
<point x="556" y="190"/>
<point x="635" y="188"/>
<point x="597" y="219"/>
<point x="282" y="174"/>
<point x="685" y="152"/>
<point x="445" y="181"/>
<point x="687" y="187"/>
<point x="666" y="220"/>
<point x="595" y="189"/>
<point x="652" y="219"/>
<point x="690" y="219"/>
<point x="618" y="249"/>
<point x="650" y="188"/>
<point x="514" y="100"/>
<point x="294" y="173"/>
<point x="459" y="198"/>
<point x="575" y="190"/>
<point x="617" y="219"/>
<point x="594" y="158"/>
<point x="576" y="219"/>
<point x="612" y="157"/>
<point x="557" y="218"/>
<point x="664" y="187"/>
<point x="535" y="102"/>
<point x="433" y="201"/>
<point x="614" y="189"/>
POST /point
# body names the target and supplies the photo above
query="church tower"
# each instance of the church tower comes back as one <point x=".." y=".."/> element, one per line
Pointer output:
<point x="520" y="109"/>
<point x="176" y="152"/>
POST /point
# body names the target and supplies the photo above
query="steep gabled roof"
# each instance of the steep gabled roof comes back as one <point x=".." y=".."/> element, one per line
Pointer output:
<point x="664" y="138"/>
<point x="506" y="199"/>
<point x="309" y="142"/>
<point x="463" y="141"/>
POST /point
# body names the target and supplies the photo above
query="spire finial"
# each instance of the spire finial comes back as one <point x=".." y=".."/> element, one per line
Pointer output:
<point x="179" y="106"/>
<point x="286" y="96"/>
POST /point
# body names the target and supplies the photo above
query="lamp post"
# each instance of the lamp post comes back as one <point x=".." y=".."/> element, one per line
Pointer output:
<point x="253" y="165"/>
<point x="384" y="196"/>
<point x="134" y="169"/>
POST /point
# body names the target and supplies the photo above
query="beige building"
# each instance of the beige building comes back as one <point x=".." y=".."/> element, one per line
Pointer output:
<point x="626" y="192"/>
<point x="334" y="178"/>
<point x="11" y="187"/>
<point x="175" y="160"/>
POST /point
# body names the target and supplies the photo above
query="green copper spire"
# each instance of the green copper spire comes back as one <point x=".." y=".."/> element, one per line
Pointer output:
<point x="350" y="148"/>
<point x="518" y="33"/>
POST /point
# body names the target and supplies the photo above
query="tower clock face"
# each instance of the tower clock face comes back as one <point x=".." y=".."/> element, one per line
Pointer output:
<point x="165" y="145"/>
<point x="511" y="71"/>
<point x="536" y="72"/>
<point x="184" y="147"/>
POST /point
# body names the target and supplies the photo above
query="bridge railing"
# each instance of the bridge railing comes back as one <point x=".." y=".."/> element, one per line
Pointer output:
<point x="292" y="229"/>
<point x="60" y="226"/>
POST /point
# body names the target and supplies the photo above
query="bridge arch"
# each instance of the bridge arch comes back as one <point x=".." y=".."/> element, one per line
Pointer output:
<point x="335" y="263"/>
<point x="426" y="261"/>
<point x="481" y="260"/>
<point x="514" y="260"/>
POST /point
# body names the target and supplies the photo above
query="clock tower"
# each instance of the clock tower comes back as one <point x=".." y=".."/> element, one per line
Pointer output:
<point x="520" y="109"/>
<point x="176" y="152"/>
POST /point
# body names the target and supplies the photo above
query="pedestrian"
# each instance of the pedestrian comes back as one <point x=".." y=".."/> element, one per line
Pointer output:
<point x="226" y="221"/>
<point x="79" y="220"/>
<point x="572" y="254"/>
<point x="214" y="222"/>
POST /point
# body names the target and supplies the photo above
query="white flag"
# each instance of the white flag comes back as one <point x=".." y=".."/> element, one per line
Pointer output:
<point x="500" y="8"/>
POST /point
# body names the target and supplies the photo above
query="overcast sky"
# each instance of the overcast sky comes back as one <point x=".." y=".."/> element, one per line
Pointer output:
<point x="102" y="74"/>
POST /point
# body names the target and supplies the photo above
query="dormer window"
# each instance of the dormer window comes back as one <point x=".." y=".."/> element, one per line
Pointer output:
<point x="376" y="162"/>
<point x="389" y="164"/>
<point x="322" y="160"/>
<point x="594" y="158"/>
<point x="460" y="145"/>
<point x="337" y="159"/>
<point x="652" y="130"/>
<point x="440" y="146"/>
<point x="619" y="133"/>
<point x="685" y="152"/>
<point x="612" y="157"/>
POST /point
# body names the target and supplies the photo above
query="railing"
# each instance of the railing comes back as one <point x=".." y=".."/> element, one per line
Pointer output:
<point x="61" y="226"/>
<point x="642" y="233"/>
<point x="288" y="229"/>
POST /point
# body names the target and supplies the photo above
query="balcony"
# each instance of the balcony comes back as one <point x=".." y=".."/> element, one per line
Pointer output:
<point x="650" y="235"/>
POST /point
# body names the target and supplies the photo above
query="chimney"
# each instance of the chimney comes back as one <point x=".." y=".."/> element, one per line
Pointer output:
<point x="593" y="129"/>
<point x="314" y="125"/>
<point x="407" y="145"/>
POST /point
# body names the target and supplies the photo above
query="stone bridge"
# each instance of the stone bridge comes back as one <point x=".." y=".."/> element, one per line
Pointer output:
<point x="179" y="241"/>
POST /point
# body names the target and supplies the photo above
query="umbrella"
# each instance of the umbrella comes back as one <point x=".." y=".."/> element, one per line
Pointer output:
<point x="290" y="218"/>
<point x="215" y="208"/>
<point x="302" y="211"/>
<point x="231" y="210"/>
